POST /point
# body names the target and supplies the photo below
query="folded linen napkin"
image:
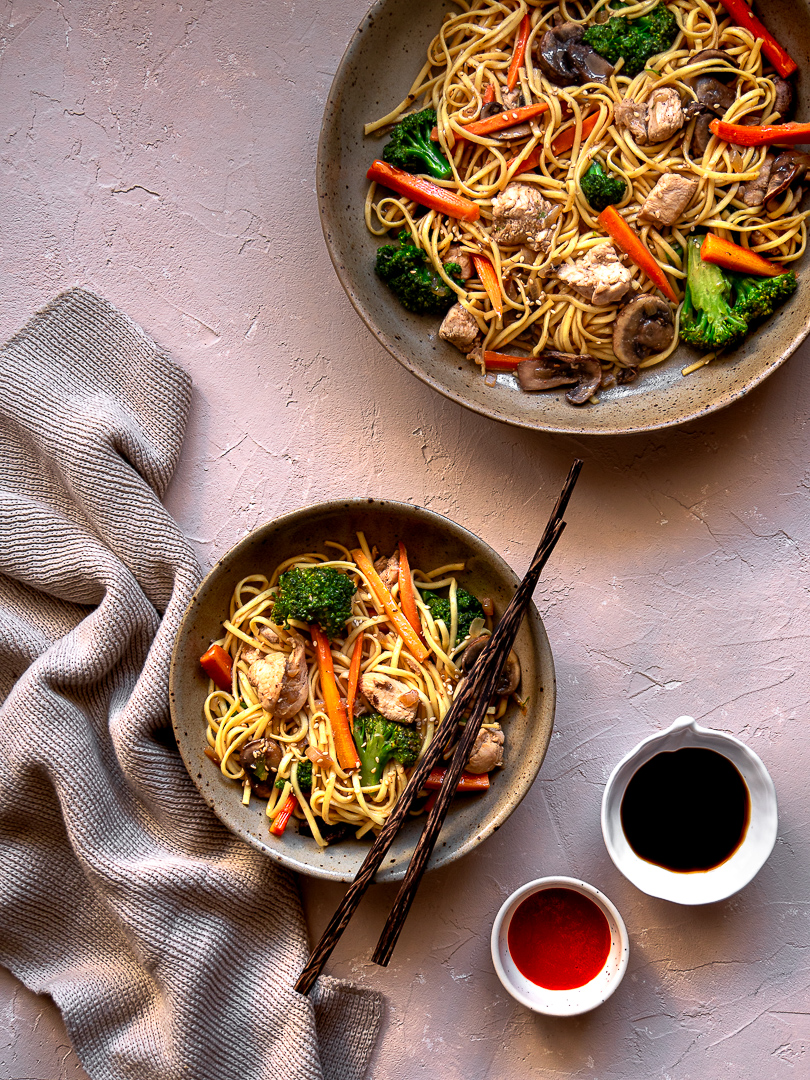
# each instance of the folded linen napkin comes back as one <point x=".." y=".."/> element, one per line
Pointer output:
<point x="168" y="944"/>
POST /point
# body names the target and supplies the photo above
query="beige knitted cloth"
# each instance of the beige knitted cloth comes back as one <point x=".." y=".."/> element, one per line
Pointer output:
<point x="169" y="945"/>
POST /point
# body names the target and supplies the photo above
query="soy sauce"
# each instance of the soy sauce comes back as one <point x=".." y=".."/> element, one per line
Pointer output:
<point x="686" y="810"/>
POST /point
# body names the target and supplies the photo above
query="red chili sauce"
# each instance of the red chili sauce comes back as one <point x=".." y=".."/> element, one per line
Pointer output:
<point x="559" y="939"/>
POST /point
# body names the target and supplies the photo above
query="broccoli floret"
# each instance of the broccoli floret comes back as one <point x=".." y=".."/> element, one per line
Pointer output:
<point x="707" y="319"/>
<point x="304" y="775"/>
<point x="378" y="740"/>
<point x="409" y="275"/>
<point x="601" y="188"/>
<point x="314" y="594"/>
<point x="412" y="149"/>
<point x="634" y="39"/>
<point x="469" y="608"/>
<point x="756" y="298"/>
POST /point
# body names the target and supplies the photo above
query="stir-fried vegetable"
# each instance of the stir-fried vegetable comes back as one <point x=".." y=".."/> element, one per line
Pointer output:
<point x="314" y="594"/>
<point x="335" y="709"/>
<point x="423" y="192"/>
<point x="502" y="120"/>
<point x="378" y="740"/>
<point x="489" y="279"/>
<point x="466" y="782"/>
<point x="380" y="590"/>
<point x="407" y="272"/>
<point x="707" y="319"/>
<point x="762" y="134"/>
<point x="615" y="226"/>
<point x="756" y="298"/>
<point x="410" y="147"/>
<point x="715" y="249"/>
<point x="633" y="40"/>
<point x="217" y="664"/>
<point x="406" y="592"/>
<point x="601" y="188"/>
<point x="519" y="52"/>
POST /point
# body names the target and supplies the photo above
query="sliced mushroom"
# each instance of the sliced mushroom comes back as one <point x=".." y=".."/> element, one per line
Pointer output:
<point x="784" y="96"/>
<point x="701" y="134"/>
<point x="721" y="69"/>
<point x="487" y="751"/>
<point x="510" y="673"/>
<point x="386" y="696"/>
<point x="627" y="375"/>
<point x="260" y="758"/>
<point x="753" y="192"/>
<point x="713" y="94"/>
<point x="643" y="326"/>
<point x="588" y="64"/>
<point x="551" y="369"/>
<point x="553" y="60"/>
<point x="789" y="166"/>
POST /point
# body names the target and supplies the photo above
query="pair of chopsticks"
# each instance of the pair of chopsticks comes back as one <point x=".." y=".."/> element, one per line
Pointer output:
<point x="476" y="691"/>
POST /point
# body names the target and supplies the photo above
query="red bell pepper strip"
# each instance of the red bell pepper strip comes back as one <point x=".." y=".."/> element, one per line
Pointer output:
<point x="335" y="709"/>
<point x="423" y="192"/>
<point x="283" y="816"/>
<point x="743" y="16"/>
<point x="762" y="134"/>
<point x="218" y="665"/>
<point x="467" y="781"/>
<point x="715" y="249"/>
<point x="407" y="595"/>
<point x="354" y="676"/>
<point x="519" y="52"/>
<point x="496" y="361"/>
<point x="489" y="279"/>
<point x="615" y="226"/>
<point x="502" y="120"/>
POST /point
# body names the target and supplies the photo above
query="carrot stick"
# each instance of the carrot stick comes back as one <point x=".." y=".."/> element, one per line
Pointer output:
<point x="489" y="279"/>
<point x="466" y="782"/>
<point x="743" y="16"/>
<point x="519" y="51"/>
<point x="344" y="743"/>
<point x="354" y="674"/>
<point x="217" y="664"/>
<point x="715" y="249"/>
<point x="762" y="134"/>
<point x="531" y="161"/>
<point x="565" y="140"/>
<point x="283" y="816"/>
<point x="488" y="95"/>
<point x="403" y="627"/>
<point x="496" y="361"/>
<point x="423" y="192"/>
<point x="406" y="593"/>
<point x="502" y="120"/>
<point x="615" y="226"/>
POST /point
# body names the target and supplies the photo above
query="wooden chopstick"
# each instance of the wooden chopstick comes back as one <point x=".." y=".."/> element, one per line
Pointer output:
<point x="365" y="875"/>
<point x="486" y="673"/>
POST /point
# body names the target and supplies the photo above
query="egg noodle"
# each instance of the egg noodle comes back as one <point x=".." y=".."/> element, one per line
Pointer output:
<point x="473" y="51"/>
<point x="235" y="718"/>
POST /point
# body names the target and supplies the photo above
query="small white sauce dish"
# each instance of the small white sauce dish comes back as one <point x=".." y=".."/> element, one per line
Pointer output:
<point x="702" y="886"/>
<point x="581" y="999"/>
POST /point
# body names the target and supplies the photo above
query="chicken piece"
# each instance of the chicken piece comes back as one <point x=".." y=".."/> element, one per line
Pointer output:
<point x="487" y="751"/>
<point x="385" y="695"/>
<point x="631" y="116"/>
<point x="266" y="675"/>
<point x="598" y="276"/>
<point x="664" y="114"/>
<point x="668" y="199"/>
<point x="295" y="687"/>
<point x="459" y="328"/>
<point x="388" y="569"/>
<point x="457" y="254"/>
<point x="518" y="214"/>
<point x="269" y="635"/>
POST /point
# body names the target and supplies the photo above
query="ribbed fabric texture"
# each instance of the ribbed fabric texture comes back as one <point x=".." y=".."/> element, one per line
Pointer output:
<point x="170" y="946"/>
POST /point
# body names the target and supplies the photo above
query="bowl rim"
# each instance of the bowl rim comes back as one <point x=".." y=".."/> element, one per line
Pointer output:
<point x="327" y="216"/>
<point x="555" y="1005"/>
<point x="724" y="880"/>
<point x="543" y="657"/>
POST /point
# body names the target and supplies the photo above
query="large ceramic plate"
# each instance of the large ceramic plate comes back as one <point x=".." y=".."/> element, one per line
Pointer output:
<point x="432" y="541"/>
<point x="376" y="72"/>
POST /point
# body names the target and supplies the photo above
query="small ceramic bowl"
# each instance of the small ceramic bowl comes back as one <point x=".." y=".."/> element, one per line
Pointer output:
<point x="560" y="1002"/>
<point x="702" y="886"/>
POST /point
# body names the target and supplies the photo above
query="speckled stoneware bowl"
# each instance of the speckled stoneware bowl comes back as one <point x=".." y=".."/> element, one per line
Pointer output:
<point x="432" y="541"/>
<point x="377" y="70"/>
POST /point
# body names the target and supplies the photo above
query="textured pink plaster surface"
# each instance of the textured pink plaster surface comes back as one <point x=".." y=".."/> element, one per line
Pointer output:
<point x="163" y="154"/>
